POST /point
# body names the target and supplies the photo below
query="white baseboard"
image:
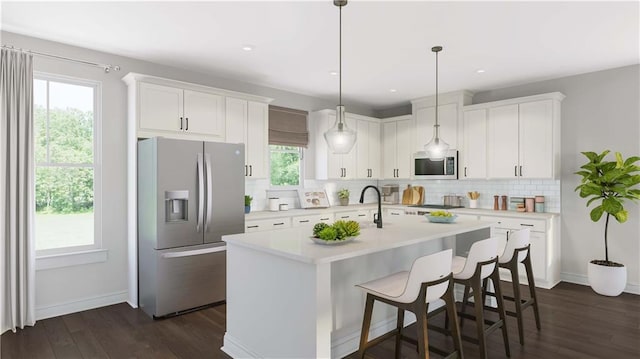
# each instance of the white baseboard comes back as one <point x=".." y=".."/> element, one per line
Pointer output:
<point x="80" y="305"/>
<point x="232" y="347"/>
<point x="583" y="280"/>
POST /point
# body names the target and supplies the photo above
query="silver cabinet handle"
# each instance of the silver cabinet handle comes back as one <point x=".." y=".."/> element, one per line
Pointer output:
<point x="207" y="159"/>
<point x="194" y="252"/>
<point x="200" y="192"/>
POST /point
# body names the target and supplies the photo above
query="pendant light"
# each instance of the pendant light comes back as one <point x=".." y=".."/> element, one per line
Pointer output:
<point x="340" y="138"/>
<point x="437" y="147"/>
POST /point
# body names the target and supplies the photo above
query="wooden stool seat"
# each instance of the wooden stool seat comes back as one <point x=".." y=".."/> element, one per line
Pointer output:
<point x="429" y="282"/>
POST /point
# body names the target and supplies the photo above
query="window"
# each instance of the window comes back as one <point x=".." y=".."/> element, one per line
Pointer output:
<point x="288" y="135"/>
<point x="67" y="166"/>
<point x="286" y="165"/>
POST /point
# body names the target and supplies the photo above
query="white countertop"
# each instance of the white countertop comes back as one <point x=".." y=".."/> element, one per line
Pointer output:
<point x="295" y="243"/>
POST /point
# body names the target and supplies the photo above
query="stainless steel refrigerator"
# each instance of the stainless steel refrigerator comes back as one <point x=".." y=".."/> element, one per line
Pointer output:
<point x="190" y="193"/>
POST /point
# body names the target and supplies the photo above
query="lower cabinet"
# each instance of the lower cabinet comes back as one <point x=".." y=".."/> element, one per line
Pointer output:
<point x="359" y="216"/>
<point x="258" y="225"/>
<point x="545" y="247"/>
<point x="311" y="220"/>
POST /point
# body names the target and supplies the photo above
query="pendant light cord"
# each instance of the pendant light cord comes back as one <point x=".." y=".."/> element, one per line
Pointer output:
<point x="340" y="58"/>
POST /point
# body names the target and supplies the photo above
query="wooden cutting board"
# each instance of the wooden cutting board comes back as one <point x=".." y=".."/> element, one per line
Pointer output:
<point x="411" y="195"/>
<point x="420" y="190"/>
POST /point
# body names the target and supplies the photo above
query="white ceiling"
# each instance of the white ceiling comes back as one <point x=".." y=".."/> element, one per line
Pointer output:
<point x="386" y="44"/>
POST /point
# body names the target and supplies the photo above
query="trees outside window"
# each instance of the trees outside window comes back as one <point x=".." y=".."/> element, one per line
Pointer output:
<point x="286" y="165"/>
<point x="65" y="119"/>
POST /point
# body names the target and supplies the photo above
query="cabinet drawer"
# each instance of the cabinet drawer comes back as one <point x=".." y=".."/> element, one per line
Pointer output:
<point x="360" y="216"/>
<point x="311" y="220"/>
<point x="517" y="223"/>
<point x="266" y="224"/>
<point x="394" y="212"/>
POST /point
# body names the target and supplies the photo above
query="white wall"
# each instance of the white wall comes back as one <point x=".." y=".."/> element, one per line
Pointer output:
<point x="70" y="289"/>
<point x="601" y="111"/>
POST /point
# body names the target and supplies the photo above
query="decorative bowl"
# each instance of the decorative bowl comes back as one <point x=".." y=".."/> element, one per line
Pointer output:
<point x="334" y="242"/>
<point x="441" y="219"/>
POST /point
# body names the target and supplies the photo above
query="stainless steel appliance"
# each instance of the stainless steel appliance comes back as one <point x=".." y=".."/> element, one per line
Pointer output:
<point x="190" y="193"/>
<point x="444" y="168"/>
<point x="390" y="194"/>
<point x="452" y="200"/>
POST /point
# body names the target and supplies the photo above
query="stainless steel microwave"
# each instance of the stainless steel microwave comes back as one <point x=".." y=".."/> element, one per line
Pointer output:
<point x="443" y="168"/>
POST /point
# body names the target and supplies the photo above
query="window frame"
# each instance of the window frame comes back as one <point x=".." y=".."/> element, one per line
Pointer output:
<point x="55" y="256"/>
<point x="301" y="172"/>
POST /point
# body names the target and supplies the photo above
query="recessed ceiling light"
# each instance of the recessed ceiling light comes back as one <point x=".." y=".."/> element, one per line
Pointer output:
<point x="248" y="47"/>
<point x="393" y="90"/>
<point x="480" y="71"/>
<point x="333" y="73"/>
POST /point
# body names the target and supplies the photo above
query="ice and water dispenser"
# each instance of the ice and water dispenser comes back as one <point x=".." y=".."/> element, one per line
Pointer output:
<point x="176" y="204"/>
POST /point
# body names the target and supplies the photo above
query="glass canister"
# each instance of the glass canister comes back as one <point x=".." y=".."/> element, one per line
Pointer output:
<point x="539" y="203"/>
<point x="529" y="204"/>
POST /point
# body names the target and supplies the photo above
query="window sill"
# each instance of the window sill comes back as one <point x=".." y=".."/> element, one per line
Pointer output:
<point x="71" y="259"/>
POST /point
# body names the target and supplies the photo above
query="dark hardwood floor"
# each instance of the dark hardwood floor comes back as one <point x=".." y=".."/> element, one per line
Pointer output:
<point x="576" y="323"/>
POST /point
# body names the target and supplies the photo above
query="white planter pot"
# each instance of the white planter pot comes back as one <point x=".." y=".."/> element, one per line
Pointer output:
<point x="605" y="280"/>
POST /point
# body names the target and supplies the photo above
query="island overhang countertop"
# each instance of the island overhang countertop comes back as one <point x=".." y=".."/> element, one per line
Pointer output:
<point x="296" y="244"/>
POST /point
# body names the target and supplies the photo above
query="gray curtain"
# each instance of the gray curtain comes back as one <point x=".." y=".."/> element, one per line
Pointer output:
<point x="17" y="249"/>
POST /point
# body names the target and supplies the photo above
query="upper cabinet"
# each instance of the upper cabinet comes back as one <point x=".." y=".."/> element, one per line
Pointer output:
<point x="522" y="137"/>
<point x="449" y="118"/>
<point x="473" y="154"/>
<point x="362" y="162"/>
<point x="176" y="109"/>
<point x="248" y="122"/>
<point x="396" y="144"/>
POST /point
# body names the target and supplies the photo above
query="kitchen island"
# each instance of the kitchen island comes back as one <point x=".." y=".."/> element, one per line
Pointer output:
<point x="288" y="297"/>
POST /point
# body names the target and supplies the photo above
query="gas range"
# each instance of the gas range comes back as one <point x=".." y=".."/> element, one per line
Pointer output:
<point x="422" y="209"/>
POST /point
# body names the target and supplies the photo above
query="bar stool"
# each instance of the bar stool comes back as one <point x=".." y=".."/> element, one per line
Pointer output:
<point x="516" y="251"/>
<point x="428" y="281"/>
<point x="472" y="272"/>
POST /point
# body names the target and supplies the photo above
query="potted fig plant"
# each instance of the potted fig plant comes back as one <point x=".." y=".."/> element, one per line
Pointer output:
<point x="247" y="203"/>
<point x="608" y="184"/>
<point x="343" y="196"/>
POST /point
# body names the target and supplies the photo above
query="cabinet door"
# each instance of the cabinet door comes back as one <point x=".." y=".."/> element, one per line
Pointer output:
<point x="503" y="142"/>
<point x="257" y="139"/>
<point x="161" y="108"/>
<point x="374" y="150"/>
<point x="362" y="150"/>
<point x="389" y="150"/>
<point x="204" y="114"/>
<point x="539" y="255"/>
<point x="236" y="120"/>
<point x="536" y="139"/>
<point x="403" y="143"/>
<point x="474" y="149"/>
<point x="447" y="119"/>
<point x="335" y="169"/>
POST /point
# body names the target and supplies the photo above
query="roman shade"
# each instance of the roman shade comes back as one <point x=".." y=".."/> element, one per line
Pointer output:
<point x="288" y="127"/>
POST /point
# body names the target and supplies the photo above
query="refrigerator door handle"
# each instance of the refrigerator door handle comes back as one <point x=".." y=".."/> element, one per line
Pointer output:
<point x="194" y="252"/>
<point x="200" y="193"/>
<point x="207" y="159"/>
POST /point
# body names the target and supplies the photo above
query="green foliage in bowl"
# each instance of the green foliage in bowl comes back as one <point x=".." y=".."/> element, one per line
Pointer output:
<point x="338" y="231"/>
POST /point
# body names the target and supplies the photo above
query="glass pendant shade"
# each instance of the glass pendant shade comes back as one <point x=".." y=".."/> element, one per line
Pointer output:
<point x="340" y="138"/>
<point x="437" y="147"/>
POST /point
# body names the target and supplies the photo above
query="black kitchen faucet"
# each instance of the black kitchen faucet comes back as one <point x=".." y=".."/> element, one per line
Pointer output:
<point x="376" y="219"/>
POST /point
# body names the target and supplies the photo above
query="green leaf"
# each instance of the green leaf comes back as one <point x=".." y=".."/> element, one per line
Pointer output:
<point x="612" y="205"/>
<point x="619" y="160"/>
<point x="602" y="155"/>
<point x="596" y="213"/>
<point x="591" y="200"/>
<point x="621" y="216"/>
<point x="631" y="160"/>
<point x="590" y="155"/>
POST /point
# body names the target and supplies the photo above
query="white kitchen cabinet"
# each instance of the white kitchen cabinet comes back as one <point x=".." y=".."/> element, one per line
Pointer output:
<point x="394" y="212"/>
<point x="396" y="147"/>
<point x="523" y="137"/>
<point x="248" y="122"/>
<point x="345" y="166"/>
<point x="165" y="110"/>
<point x="311" y="220"/>
<point x="473" y="158"/>
<point x="363" y="215"/>
<point x="545" y="247"/>
<point x="368" y="150"/>
<point x="257" y="225"/>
